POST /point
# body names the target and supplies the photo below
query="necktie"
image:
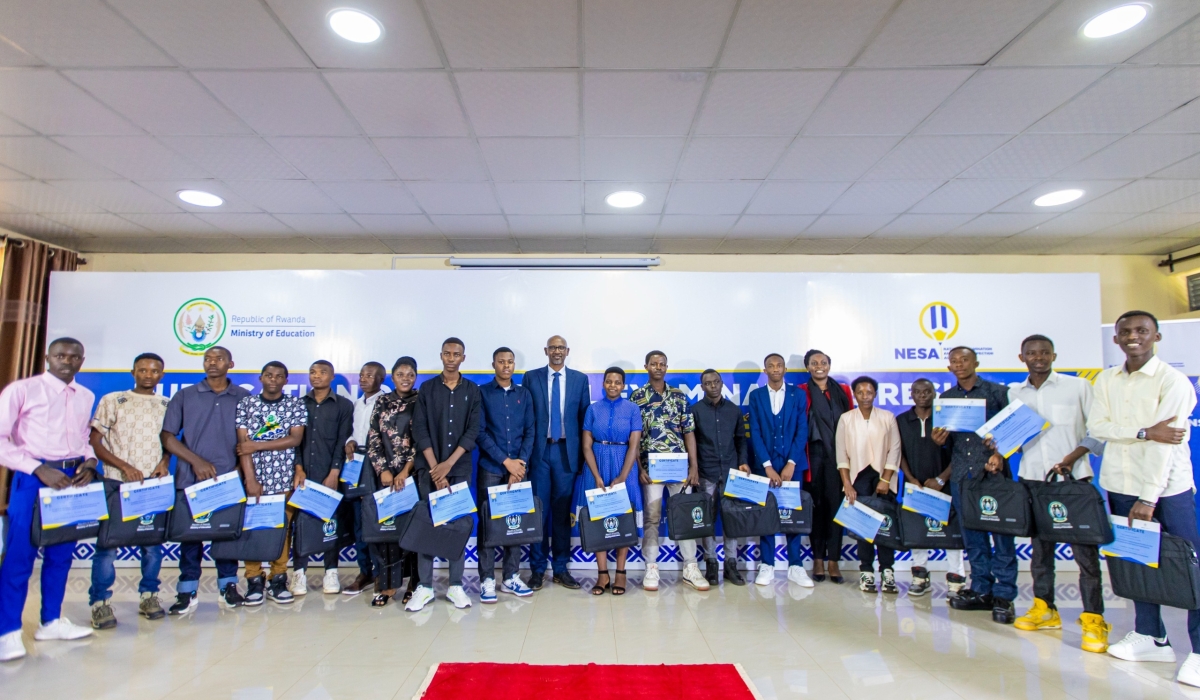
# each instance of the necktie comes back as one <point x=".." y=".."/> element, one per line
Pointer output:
<point x="556" y="430"/>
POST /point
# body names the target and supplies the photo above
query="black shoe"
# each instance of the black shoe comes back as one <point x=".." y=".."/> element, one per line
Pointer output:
<point x="968" y="599"/>
<point x="710" y="572"/>
<point x="232" y="598"/>
<point x="732" y="575"/>
<point x="537" y="580"/>
<point x="184" y="603"/>
<point x="255" y="590"/>
<point x="566" y="580"/>
<point x="1003" y="611"/>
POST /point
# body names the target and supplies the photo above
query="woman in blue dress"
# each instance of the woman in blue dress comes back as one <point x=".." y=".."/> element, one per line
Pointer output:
<point x="612" y="431"/>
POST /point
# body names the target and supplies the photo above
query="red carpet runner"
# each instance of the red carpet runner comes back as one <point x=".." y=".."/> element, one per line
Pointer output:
<point x="607" y="682"/>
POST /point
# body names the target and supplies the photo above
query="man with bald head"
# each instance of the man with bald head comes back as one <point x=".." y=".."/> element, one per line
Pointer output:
<point x="561" y="397"/>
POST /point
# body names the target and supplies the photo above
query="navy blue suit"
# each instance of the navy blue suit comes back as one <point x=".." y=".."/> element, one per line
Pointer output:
<point x="555" y="466"/>
<point x="780" y="438"/>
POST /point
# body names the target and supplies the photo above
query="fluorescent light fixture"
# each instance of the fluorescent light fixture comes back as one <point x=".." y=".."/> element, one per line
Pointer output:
<point x="356" y="26"/>
<point x="625" y="199"/>
<point x="200" y="198"/>
<point x="1115" y="21"/>
<point x="555" y="263"/>
<point x="1056" y="198"/>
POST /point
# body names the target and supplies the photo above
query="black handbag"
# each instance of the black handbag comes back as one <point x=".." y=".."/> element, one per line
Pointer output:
<point x="147" y="531"/>
<point x="40" y="537"/>
<point x="446" y="541"/>
<point x="797" y="522"/>
<point x="889" y="530"/>
<point x="744" y="519"/>
<point x="1175" y="583"/>
<point x="512" y="530"/>
<point x="921" y="532"/>
<point x="367" y="482"/>
<point x="997" y="504"/>
<point x="252" y="545"/>
<point x="217" y="526"/>
<point x="690" y="515"/>
<point x="606" y="534"/>
<point x="1070" y="511"/>
<point x="311" y="535"/>
<point x="387" y="532"/>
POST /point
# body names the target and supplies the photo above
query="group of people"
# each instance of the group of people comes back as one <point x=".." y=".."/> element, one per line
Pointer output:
<point x="829" y="436"/>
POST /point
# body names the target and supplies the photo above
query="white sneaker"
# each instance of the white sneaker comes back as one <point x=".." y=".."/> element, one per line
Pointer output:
<point x="487" y="591"/>
<point x="458" y="596"/>
<point x="331" y="584"/>
<point x="421" y="598"/>
<point x="866" y="582"/>
<point x="11" y="646"/>
<point x="299" y="583"/>
<point x="766" y="575"/>
<point x="1189" y="672"/>
<point x="650" y="580"/>
<point x="693" y="577"/>
<point x="1141" y="647"/>
<point x="517" y="587"/>
<point x="798" y="576"/>
<point x="61" y="629"/>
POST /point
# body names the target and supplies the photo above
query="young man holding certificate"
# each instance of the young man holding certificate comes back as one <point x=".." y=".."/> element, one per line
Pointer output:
<point x="1141" y="410"/>
<point x="44" y="440"/>
<point x="125" y="436"/>
<point x="720" y="446"/>
<point x="667" y="429"/>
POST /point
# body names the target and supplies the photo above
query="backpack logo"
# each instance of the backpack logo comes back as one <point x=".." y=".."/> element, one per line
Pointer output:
<point x="988" y="505"/>
<point x="329" y="528"/>
<point x="513" y="521"/>
<point x="610" y="524"/>
<point x="698" y="515"/>
<point x="1058" y="512"/>
<point x="146" y="520"/>
<point x="390" y="522"/>
<point x="202" y="519"/>
<point x="885" y="525"/>
<point x="933" y="525"/>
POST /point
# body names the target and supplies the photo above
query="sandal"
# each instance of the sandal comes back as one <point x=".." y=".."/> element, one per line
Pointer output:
<point x="408" y="594"/>
<point x="380" y="600"/>
<point x="598" y="589"/>
<point x="619" y="590"/>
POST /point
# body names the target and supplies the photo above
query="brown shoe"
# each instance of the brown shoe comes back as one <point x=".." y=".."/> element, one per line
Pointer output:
<point x="361" y="583"/>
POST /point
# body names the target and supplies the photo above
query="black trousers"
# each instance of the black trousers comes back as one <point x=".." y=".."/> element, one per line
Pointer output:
<point x="826" y="491"/>
<point x="864" y="485"/>
<point x="392" y="565"/>
<point x="1087" y="557"/>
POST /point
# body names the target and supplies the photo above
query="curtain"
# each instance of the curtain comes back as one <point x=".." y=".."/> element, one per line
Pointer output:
<point x="25" y="269"/>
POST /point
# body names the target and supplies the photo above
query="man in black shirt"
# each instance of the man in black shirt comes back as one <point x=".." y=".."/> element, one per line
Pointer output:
<point x="720" y="446"/>
<point x="445" y="426"/>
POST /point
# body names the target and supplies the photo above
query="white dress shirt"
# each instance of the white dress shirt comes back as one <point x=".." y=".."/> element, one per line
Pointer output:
<point x="1126" y="403"/>
<point x="777" y="397"/>
<point x="1065" y="401"/>
<point x="562" y="397"/>
<point x="363" y="406"/>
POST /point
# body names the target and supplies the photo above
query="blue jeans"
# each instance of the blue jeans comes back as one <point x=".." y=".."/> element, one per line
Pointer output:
<point x="993" y="561"/>
<point x="20" y="554"/>
<point x="1177" y="515"/>
<point x="554" y="484"/>
<point x="362" y="552"/>
<point x="190" y="556"/>
<point x="104" y="573"/>
<point x="794" y="554"/>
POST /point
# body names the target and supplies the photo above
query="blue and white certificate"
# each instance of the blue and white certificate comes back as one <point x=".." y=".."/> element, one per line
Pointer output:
<point x="389" y="503"/>
<point x="210" y="495"/>
<point x="859" y="519"/>
<point x="451" y="503"/>
<point x="927" y="502"/>
<point x="959" y="415"/>
<point x="351" y="471"/>
<point x="787" y="496"/>
<point x="1012" y="427"/>
<point x="602" y="503"/>
<point x="506" y="500"/>
<point x="316" y="500"/>
<point x="146" y="497"/>
<point x="264" y="513"/>
<point x="76" y="504"/>
<point x="1138" y="544"/>
<point x="747" y="487"/>
<point x="667" y="467"/>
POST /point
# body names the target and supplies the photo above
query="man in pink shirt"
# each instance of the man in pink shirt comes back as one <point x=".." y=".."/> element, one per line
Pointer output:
<point x="44" y="424"/>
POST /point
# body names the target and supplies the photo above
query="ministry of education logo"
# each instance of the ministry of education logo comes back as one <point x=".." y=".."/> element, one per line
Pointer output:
<point x="610" y="524"/>
<point x="329" y="528"/>
<point x="987" y="505"/>
<point x="698" y="515"/>
<point x="202" y="519"/>
<point x="1058" y="512"/>
<point x="939" y="321"/>
<point x="885" y="525"/>
<point x="513" y="521"/>
<point x="933" y="525"/>
<point x="199" y="325"/>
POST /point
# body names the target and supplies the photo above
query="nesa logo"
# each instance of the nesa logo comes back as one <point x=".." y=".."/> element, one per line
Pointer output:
<point x="938" y="322"/>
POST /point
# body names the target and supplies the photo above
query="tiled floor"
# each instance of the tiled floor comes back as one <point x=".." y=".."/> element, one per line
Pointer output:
<point x="829" y="642"/>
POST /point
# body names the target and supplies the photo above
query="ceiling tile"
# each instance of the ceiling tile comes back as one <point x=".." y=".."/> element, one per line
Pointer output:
<point x="471" y="226"/>
<point x="214" y="33"/>
<point x="1159" y="246"/>
<point x="529" y="34"/>
<point x="840" y="158"/>
<point x="852" y="106"/>
<point x="595" y="192"/>
<point x="1007" y="100"/>
<point x="553" y="245"/>
<point x="411" y="246"/>
<point x="1089" y="246"/>
<point x="1125" y="100"/>
<point x="99" y="224"/>
<point x="619" y="225"/>
<point x="521" y="104"/>
<point x="246" y="224"/>
<point x="1073" y="224"/>
<point x="851" y="226"/>
<point x="686" y="246"/>
<point x="922" y="225"/>
<point x="1092" y="189"/>
<point x="751" y="246"/>
<point x="796" y="197"/>
<point x="10" y="174"/>
<point x="46" y="160"/>
<point x="1185" y="169"/>
<point x="352" y="243"/>
<point x="1185" y="119"/>
<point x="1190" y="205"/>
<point x="631" y="158"/>
<point x="970" y="196"/>
<point x="1153" y="224"/>
<point x="333" y="158"/>
<point x="1182" y="46"/>
<point x="322" y="224"/>
<point x="660" y="34"/>
<point x="709" y="197"/>
<point x="484" y="245"/>
<point x="762" y="103"/>
<point x="285" y="244"/>
<point x="1136" y="155"/>
<point x="117" y="196"/>
<point x="169" y="191"/>
<point x="949" y="32"/>
<point x="691" y="226"/>
<point x="401" y="104"/>
<point x="820" y="246"/>
<point x="542" y="226"/>
<point x="1022" y="244"/>
<point x="999" y="224"/>
<point x="732" y="158"/>
<point x="161" y="102"/>
<point x="619" y="245"/>
<point x="76" y="33"/>
<point x="1039" y="155"/>
<point x="233" y="157"/>
<point x="406" y="42"/>
<point x="38" y="197"/>
<point x="930" y="157"/>
<point x="433" y="159"/>
<point x="955" y="245"/>
<point x="773" y="227"/>
<point x="540" y="198"/>
<point x="42" y="228"/>
<point x="885" y="197"/>
<point x="1142" y="196"/>
<point x="371" y="197"/>
<point x="11" y="127"/>
<point x="531" y="159"/>
<point x="886" y="246"/>
<point x="281" y="104"/>
<point x="286" y="196"/>
<point x="397" y="224"/>
<point x="134" y="157"/>
<point x="640" y="104"/>
<point x="454" y="198"/>
<point x="812" y="34"/>
<point x="173" y="224"/>
<point x="46" y="101"/>
<point x="148" y="244"/>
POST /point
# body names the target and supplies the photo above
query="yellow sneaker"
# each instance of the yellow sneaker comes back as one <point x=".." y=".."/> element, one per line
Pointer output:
<point x="1095" y="633"/>
<point x="1040" y="617"/>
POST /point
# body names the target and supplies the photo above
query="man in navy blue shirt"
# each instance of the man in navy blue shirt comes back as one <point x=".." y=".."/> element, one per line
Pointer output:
<point x="506" y="431"/>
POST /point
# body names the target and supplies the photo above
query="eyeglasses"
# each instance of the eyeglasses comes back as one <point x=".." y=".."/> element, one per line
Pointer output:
<point x="556" y="348"/>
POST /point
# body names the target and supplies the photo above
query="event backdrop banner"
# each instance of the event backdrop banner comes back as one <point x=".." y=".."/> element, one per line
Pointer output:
<point x="895" y="327"/>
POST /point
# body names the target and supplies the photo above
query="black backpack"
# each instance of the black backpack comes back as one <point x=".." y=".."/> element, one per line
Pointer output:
<point x="146" y="531"/>
<point x="797" y="522"/>
<point x="690" y="515"/>
<point x="446" y="541"/>
<point x="1175" y="583"/>
<point x="889" y="530"/>
<point x="1070" y="511"/>
<point x="224" y="524"/>
<point x="744" y="519"/>
<point x="921" y="532"/>
<point x="997" y="504"/>
<point x="606" y="534"/>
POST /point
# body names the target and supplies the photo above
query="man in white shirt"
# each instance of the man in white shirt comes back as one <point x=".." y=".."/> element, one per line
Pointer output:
<point x="1062" y="448"/>
<point x="370" y="380"/>
<point x="1141" y="410"/>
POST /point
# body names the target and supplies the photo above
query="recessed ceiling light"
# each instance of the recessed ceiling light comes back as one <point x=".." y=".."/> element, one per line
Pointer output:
<point x="625" y="199"/>
<point x="200" y="198"/>
<point x="1114" y="21"/>
<point x="355" y="26"/>
<point x="1056" y="198"/>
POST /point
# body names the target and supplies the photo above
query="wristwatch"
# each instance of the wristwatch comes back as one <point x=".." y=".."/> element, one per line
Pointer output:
<point x="1141" y="434"/>
<point x="940" y="480"/>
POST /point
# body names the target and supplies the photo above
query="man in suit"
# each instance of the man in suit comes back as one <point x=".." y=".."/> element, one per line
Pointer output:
<point x="561" y="397"/>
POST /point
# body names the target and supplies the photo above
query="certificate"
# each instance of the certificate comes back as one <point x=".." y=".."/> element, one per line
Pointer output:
<point x="668" y="467"/>
<point x="147" y="497"/>
<point x="214" y="494"/>
<point x="859" y="519"/>
<point x="351" y="471"/>
<point x="451" y="503"/>
<point x="602" y="504"/>
<point x="316" y="500"/>
<point x="787" y="496"/>
<point x="76" y="504"/>
<point x="927" y="502"/>
<point x="264" y="513"/>
<point x="507" y="500"/>
<point x="959" y="415"/>
<point x="1012" y="427"/>
<point x="389" y="503"/>
<point x="747" y="487"/>
<point x="1138" y="544"/>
